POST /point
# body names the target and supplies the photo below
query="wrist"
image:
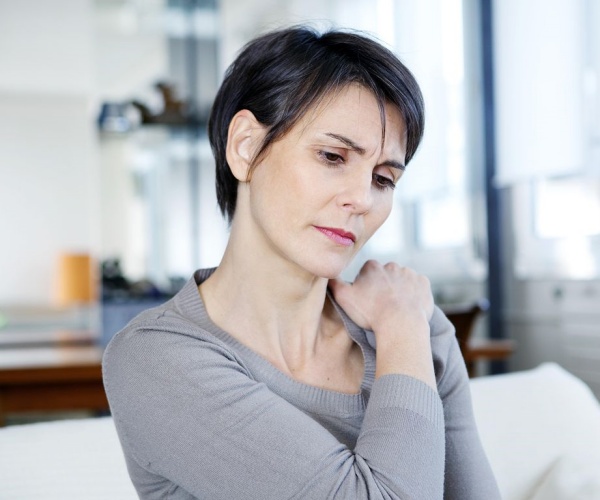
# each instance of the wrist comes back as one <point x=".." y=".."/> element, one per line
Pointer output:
<point x="404" y="347"/>
<point x="395" y="325"/>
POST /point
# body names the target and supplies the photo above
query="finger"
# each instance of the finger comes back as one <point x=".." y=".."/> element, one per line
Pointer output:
<point x="336" y="285"/>
<point x="369" y="266"/>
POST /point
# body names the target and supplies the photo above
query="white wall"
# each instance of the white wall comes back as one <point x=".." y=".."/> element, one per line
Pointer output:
<point x="59" y="59"/>
<point x="47" y="197"/>
<point x="45" y="46"/>
<point x="243" y="20"/>
<point x="48" y="203"/>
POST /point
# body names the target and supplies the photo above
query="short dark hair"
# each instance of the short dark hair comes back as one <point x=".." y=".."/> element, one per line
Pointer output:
<point x="280" y="75"/>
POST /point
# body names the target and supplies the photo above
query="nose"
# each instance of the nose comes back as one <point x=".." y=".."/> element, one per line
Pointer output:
<point x="357" y="193"/>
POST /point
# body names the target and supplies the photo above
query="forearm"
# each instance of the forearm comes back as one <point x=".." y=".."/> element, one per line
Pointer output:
<point x="198" y="429"/>
<point x="402" y="438"/>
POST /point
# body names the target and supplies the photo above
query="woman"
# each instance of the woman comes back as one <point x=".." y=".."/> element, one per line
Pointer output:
<point x="260" y="379"/>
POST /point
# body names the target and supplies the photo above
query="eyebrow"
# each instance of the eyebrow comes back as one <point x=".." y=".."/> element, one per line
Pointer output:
<point x="393" y="164"/>
<point x="348" y="142"/>
<point x="361" y="151"/>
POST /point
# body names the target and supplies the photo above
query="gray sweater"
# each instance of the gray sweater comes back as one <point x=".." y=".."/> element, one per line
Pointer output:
<point x="199" y="415"/>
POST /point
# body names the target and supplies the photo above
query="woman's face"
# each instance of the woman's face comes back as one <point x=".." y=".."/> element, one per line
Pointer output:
<point x="323" y="189"/>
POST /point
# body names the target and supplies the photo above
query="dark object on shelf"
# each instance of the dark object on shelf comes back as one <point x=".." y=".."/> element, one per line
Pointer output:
<point x="118" y="117"/>
<point x="114" y="284"/>
<point x="116" y="287"/>
<point x="175" y="112"/>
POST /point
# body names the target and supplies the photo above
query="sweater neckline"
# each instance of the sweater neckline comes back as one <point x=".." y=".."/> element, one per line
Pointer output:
<point x="190" y="303"/>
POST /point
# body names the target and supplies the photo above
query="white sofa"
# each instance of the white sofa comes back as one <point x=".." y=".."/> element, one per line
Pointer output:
<point x="541" y="430"/>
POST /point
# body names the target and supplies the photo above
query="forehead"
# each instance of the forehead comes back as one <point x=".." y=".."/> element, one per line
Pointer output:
<point x="355" y="112"/>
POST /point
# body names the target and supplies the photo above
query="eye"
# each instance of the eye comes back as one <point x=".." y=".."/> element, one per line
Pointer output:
<point x="382" y="182"/>
<point x="331" y="159"/>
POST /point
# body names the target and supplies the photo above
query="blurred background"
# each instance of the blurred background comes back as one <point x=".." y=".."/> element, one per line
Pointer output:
<point x="107" y="200"/>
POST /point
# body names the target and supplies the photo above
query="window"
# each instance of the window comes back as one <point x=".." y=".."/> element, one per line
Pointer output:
<point x="567" y="207"/>
<point x="557" y="228"/>
<point x="443" y="223"/>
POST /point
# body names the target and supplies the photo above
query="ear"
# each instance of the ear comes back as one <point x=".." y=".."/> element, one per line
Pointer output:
<point x="243" y="138"/>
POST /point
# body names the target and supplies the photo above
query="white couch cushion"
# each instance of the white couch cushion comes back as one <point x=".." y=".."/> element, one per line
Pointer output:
<point x="63" y="460"/>
<point x="569" y="478"/>
<point x="539" y="428"/>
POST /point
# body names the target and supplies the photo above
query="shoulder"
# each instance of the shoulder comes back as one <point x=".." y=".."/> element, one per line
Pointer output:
<point x="163" y="342"/>
<point x="180" y="326"/>
<point x="162" y="327"/>
<point x="161" y="324"/>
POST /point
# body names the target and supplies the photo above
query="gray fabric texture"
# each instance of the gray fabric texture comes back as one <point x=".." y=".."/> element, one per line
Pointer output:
<point x="201" y="416"/>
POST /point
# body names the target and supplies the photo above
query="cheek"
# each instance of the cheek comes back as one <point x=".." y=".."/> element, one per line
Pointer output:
<point x="378" y="215"/>
<point x="279" y="191"/>
<point x="383" y="209"/>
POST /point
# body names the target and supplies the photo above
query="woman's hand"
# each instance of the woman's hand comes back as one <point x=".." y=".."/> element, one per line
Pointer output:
<point x="380" y="291"/>
<point x="396" y="303"/>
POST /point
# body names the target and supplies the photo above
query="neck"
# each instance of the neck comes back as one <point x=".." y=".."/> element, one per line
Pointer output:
<point x="267" y="302"/>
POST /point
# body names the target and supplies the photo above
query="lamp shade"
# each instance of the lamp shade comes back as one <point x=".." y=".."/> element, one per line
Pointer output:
<point x="75" y="279"/>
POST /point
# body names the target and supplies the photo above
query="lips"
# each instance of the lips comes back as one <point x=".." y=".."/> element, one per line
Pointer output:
<point x="337" y="235"/>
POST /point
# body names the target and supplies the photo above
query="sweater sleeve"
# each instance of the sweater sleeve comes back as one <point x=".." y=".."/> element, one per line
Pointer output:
<point x="468" y="473"/>
<point x="217" y="433"/>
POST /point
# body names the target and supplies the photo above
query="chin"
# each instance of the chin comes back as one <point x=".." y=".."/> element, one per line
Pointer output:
<point x="328" y="264"/>
<point x="328" y="270"/>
